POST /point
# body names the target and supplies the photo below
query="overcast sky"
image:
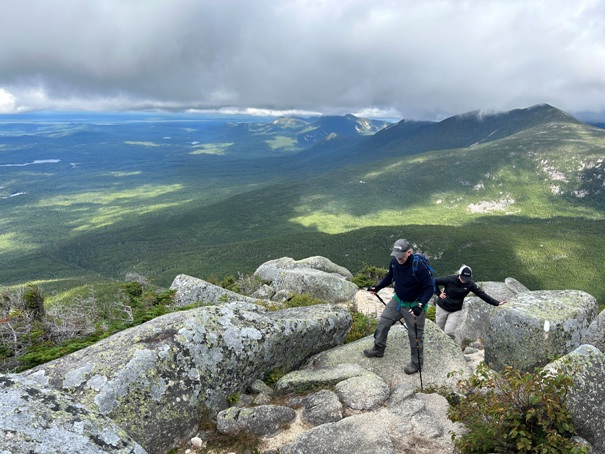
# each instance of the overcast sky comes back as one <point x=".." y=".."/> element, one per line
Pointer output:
<point x="412" y="59"/>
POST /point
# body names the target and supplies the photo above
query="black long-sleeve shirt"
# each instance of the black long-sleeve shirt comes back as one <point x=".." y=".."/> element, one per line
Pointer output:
<point x="408" y="287"/>
<point x="456" y="291"/>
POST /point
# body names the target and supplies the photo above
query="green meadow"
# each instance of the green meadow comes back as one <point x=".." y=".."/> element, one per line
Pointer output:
<point x="165" y="198"/>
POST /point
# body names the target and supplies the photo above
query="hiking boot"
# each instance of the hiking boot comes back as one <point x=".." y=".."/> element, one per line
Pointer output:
<point x="411" y="368"/>
<point x="373" y="352"/>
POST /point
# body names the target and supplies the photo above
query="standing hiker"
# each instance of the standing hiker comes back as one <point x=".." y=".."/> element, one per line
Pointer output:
<point x="449" y="304"/>
<point x="413" y="289"/>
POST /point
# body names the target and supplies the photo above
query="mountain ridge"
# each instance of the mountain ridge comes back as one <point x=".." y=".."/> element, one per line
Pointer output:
<point x="467" y="129"/>
<point x="415" y="137"/>
<point x="186" y="201"/>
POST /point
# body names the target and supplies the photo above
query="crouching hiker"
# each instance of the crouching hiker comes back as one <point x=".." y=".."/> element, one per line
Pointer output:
<point x="449" y="304"/>
<point x="413" y="289"/>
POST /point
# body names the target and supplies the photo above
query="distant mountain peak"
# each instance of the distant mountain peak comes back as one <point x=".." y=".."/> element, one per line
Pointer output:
<point x="537" y="109"/>
<point x="289" y="122"/>
<point x="464" y="130"/>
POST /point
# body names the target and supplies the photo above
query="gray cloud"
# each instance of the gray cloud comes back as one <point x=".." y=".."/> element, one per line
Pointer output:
<point x="423" y="60"/>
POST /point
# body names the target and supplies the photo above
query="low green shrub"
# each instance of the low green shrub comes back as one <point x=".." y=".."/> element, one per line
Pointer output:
<point x="514" y="412"/>
<point x="34" y="301"/>
<point x="369" y="276"/>
<point x="230" y="283"/>
<point x="296" y="300"/>
<point x="302" y="299"/>
<point x="362" y="326"/>
<point x="233" y="399"/>
<point x="273" y="376"/>
<point x="431" y="313"/>
<point x="32" y="336"/>
<point x="245" y="284"/>
<point x="44" y="352"/>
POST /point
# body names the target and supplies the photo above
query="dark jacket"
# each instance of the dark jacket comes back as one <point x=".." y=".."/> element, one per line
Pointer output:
<point x="409" y="288"/>
<point x="456" y="291"/>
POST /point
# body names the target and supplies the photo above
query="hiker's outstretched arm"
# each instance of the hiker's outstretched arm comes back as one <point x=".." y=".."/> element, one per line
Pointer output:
<point x="484" y="296"/>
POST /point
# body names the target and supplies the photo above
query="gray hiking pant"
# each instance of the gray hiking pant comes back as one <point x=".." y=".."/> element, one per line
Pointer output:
<point x="389" y="317"/>
<point x="447" y="321"/>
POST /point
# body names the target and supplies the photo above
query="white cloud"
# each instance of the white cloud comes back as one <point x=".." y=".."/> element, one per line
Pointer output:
<point x="423" y="60"/>
<point x="7" y="102"/>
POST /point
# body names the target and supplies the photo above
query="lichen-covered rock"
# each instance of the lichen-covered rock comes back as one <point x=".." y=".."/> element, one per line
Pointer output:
<point x="475" y="318"/>
<point x="191" y="290"/>
<point x="404" y="422"/>
<point x="596" y="332"/>
<point x="441" y="356"/>
<point x="321" y="407"/>
<point x="259" y="387"/>
<point x="157" y="380"/>
<point x="388" y="430"/>
<point x="37" y="419"/>
<point x="476" y="314"/>
<point x="327" y="287"/>
<point x="359" y="434"/>
<point x="586" y="365"/>
<point x="365" y="392"/>
<point x="316" y="276"/>
<point x="323" y="264"/>
<point x="535" y="327"/>
<point x="260" y="420"/>
<point x="265" y="292"/>
<point x="300" y="381"/>
<point x="514" y="286"/>
<point x="269" y="270"/>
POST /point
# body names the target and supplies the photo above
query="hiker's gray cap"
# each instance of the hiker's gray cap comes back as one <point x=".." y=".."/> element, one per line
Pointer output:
<point x="400" y="248"/>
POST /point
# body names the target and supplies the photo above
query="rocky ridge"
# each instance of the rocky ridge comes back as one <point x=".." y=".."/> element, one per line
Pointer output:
<point x="150" y="388"/>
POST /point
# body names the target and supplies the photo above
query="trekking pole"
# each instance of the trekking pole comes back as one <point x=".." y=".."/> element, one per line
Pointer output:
<point x="385" y="305"/>
<point x="418" y="353"/>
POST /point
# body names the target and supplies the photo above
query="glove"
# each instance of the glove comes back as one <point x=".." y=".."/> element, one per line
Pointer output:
<point x="372" y="289"/>
<point x="417" y="310"/>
